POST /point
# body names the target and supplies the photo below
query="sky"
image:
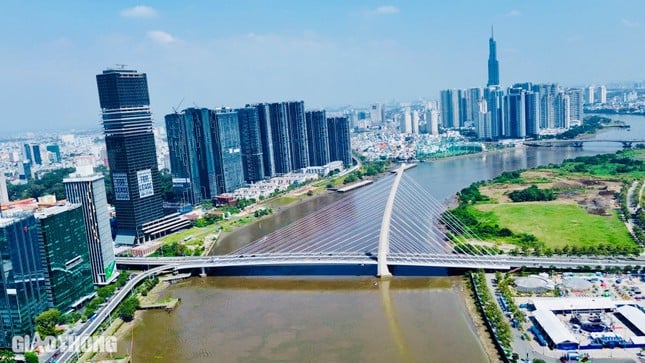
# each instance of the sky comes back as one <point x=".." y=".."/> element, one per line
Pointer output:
<point x="328" y="53"/>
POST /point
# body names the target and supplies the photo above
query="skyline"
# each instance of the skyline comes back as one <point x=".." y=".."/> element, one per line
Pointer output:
<point x="342" y="54"/>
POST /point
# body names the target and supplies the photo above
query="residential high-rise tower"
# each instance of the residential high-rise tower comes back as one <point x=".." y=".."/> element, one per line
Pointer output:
<point x="298" y="134"/>
<point x="251" y="142"/>
<point x="227" y="153"/>
<point x="339" y="140"/>
<point x="318" y="136"/>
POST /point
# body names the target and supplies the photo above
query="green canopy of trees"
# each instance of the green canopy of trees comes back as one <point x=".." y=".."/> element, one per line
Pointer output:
<point x="46" y="322"/>
<point x="532" y="194"/>
<point x="49" y="183"/>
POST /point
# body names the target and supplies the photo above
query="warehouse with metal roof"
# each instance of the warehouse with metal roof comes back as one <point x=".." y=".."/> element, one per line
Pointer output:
<point x="633" y="318"/>
<point x="557" y="332"/>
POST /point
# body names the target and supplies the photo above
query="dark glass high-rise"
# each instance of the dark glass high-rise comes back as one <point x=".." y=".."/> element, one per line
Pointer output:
<point x="130" y="144"/>
<point x="493" y="64"/>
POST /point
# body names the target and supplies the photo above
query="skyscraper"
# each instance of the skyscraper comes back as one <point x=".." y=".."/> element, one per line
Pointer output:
<point x="339" y="140"/>
<point x="493" y="64"/>
<point x="4" y="193"/>
<point x="532" y="113"/>
<point x="450" y="108"/>
<point x="63" y="241"/>
<point x="264" y="120"/>
<point x="191" y="155"/>
<point x="576" y="110"/>
<point x="23" y="277"/>
<point x="38" y="159"/>
<point x="280" y="138"/>
<point x="89" y="191"/>
<point x="483" y="125"/>
<point x="406" y="122"/>
<point x="26" y="148"/>
<point x="514" y="113"/>
<point x="318" y="135"/>
<point x="298" y="134"/>
<point x="251" y="141"/>
<point x="547" y="101"/>
<point x="55" y="150"/>
<point x="415" y="122"/>
<point x="591" y="99"/>
<point x="562" y="111"/>
<point x="495" y="105"/>
<point x="602" y="94"/>
<point x="130" y="144"/>
<point x="227" y="153"/>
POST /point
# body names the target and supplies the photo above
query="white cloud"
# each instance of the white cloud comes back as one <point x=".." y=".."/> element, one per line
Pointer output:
<point x="161" y="37"/>
<point x="139" y="11"/>
<point x="386" y="9"/>
<point x="631" y="24"/>
<point x="514" y="12"/>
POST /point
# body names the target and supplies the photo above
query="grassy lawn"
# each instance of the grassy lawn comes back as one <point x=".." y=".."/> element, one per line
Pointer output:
<point x="196" y="232"/>
<point x="284" y="201"/>
<point x="558" y="224"/>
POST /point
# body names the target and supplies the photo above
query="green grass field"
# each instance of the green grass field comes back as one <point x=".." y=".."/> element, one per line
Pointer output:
<point x="195" y="232"/>
<point x="558" y="225"/>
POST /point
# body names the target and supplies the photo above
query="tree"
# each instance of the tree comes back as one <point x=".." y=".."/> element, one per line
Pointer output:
<point x="7" y="356"/>
<point x="128" y="307"/>
<point x="46" y="322"/>
<point x="350" y="178"/>
<point x="165" y="180"/>
<point x="31" y="357"/>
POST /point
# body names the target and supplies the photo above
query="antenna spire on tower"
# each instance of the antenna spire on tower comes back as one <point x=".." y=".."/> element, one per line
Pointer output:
<point x="492" y="33"/>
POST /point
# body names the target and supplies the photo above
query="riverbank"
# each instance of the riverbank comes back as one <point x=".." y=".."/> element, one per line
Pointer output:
<point x="476" y="321"/>
<point x="123" y="330"/>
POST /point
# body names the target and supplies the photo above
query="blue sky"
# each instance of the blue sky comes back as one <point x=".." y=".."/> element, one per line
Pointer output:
<point x="329" y="53"/>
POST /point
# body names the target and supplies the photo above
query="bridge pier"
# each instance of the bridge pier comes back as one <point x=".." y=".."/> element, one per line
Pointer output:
<point x="203" y="273"/>
<point x="384" y="238"/>
<point x="627" y="144"/>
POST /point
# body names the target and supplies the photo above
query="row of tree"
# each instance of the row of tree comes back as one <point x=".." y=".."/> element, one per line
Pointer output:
<point x="494" y="315"/>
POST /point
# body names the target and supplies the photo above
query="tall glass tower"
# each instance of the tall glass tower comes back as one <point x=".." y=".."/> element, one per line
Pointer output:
<point x="23" y="276"/>
<point x="89" y="191"/>
<point x="298" y="134"/>
<point x="130" y="144"/>
<point x="493" y="64"/>
<point x="191" y="154"/>
<point x="64" y="249"/>
<point x="339" y="140"/>
<point x="227" y="153"/>
<point x="251" y="140"/>
<point x="318" y="135"/>
<point x="280" y="138"/>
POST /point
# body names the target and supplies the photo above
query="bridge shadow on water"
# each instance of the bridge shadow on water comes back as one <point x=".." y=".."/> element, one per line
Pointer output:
<point x="328" y="270"/>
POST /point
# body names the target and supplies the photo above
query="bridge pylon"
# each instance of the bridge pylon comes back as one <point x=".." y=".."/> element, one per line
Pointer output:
<point x="384" y="237"/>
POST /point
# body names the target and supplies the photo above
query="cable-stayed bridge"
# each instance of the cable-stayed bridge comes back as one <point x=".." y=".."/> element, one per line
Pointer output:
<point x="393" y="222"/>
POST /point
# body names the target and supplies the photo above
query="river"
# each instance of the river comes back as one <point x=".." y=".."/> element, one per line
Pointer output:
<point x="336" y="319"/>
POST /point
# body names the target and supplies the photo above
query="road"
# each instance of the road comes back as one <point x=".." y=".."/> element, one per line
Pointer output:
<point x="91" y="326"/>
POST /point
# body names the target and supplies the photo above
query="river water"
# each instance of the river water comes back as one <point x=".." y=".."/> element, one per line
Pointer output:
<point x="336" y="319"/>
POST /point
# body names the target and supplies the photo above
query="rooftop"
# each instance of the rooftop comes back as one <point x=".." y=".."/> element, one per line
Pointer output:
<point x="556" y="330"/>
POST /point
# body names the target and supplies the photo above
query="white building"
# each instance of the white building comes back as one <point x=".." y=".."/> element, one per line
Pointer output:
<point x="602" y="94"/>
<point x="4" y="194"/>
<point x="415" y="122"/>
<point x="406" y="122"/>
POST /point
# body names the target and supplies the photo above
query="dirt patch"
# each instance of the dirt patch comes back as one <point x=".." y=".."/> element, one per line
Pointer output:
<point x="597" y="196"/>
